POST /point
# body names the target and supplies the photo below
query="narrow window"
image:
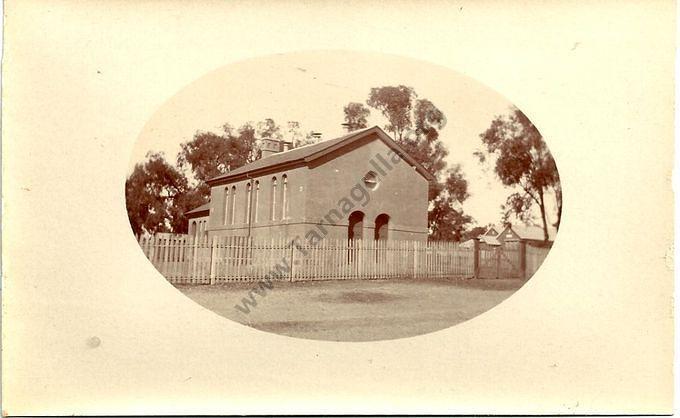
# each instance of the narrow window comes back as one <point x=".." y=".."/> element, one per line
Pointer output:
<point x="248" y="197"/>
<point x="233" y="204"/>
<point x="193" y="231"/>
<point x="284" y="197"/>
<point x="257" y="199"/>
<point x="273" y="199"/>
<point x="226" y="205"/>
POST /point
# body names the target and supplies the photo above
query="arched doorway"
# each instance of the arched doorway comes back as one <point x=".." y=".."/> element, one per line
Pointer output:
<point x="380" y="236"/>
<point x="355" y="229"/>
<point x="381" y="227"/>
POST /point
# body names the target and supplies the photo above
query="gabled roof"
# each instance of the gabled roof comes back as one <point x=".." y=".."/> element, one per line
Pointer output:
<point x="199" y="211"/>
<point x="486" y="239"/>
<point x="491" y="228"/>
<point x="489" y="239"/>
<point x="304" y="155"/>
<point x="533" y="232"/>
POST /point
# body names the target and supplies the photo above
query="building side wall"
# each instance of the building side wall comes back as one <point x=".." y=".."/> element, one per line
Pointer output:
<point x="261" y="225"/>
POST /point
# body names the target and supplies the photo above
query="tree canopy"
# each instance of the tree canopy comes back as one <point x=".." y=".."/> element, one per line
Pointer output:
<point x="415" y="124"/>
<point x="522" y="160"/>
<point x="446" y="219"/>
<point x="157" y="195"/>
<point x="396" y="104"/>
<point x="210" y="154"/>
<point x="355" y="116"/>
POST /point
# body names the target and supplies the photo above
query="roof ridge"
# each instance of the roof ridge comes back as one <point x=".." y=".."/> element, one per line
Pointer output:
<point x="304" y="154"/>
<point x="322" y="141"/>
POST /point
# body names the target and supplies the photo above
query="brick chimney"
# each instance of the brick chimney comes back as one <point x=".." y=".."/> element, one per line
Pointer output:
<point x="273" y="146"/>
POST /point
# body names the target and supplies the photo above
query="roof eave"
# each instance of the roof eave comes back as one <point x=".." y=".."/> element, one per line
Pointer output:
<point x="197" y="214"/>
<point x="227" y="179"/>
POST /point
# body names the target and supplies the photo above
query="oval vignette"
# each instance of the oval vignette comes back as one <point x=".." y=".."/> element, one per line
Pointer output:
<point x="309" y="195"/>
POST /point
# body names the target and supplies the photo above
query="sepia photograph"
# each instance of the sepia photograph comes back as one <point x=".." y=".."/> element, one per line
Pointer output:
<point x="317" y="208"/>
<point x="319" y="198"/>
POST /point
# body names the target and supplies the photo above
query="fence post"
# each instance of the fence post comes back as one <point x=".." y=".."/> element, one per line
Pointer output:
<point x="213" y="259"/>
<point x="476" y="258"/>
<point x="152" y="250"/>
<point x="360" y="261"/>
<point x="194" y="258"/>
<point x="292" y="260"/>
<point x="415" y="258"/>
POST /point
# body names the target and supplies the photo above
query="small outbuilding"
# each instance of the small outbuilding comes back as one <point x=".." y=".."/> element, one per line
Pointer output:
<point x="198" y="220"/>
<point x="530" y="234"/>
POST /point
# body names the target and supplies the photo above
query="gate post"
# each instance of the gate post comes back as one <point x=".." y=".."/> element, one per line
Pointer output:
<point x="476" y="258"/>
<point x="497" y="253"/>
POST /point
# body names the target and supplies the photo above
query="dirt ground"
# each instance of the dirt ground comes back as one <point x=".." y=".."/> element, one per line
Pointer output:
<point x="354" y="310"/>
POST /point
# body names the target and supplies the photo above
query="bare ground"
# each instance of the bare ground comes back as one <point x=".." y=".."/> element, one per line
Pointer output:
<point x="354" y="310"/>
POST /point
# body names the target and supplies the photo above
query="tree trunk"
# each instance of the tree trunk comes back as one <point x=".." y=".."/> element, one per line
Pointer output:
<point x="543" y="217"/>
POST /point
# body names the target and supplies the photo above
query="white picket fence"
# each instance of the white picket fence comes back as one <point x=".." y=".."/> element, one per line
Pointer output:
<point x="184" y="260"/>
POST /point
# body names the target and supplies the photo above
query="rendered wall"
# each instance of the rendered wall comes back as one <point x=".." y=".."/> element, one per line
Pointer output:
<point x="261" y="224"/>
<point x="402" y="193"/>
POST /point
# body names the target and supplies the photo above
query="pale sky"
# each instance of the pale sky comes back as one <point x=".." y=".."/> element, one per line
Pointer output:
<point x="313" y="88"/>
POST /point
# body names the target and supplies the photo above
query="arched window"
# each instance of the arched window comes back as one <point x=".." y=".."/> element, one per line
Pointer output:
<point x="226" y="205"/>
<point x="233" y="204"/>
<point x="257" y="199"/>
<point x="381" y="227"/>
<point x="248" y="197"/>
<point x="192" y="230"/>
<point x="355" y="228"/>
<point x="273" y="200"/>
<point x="284" y="197"/>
